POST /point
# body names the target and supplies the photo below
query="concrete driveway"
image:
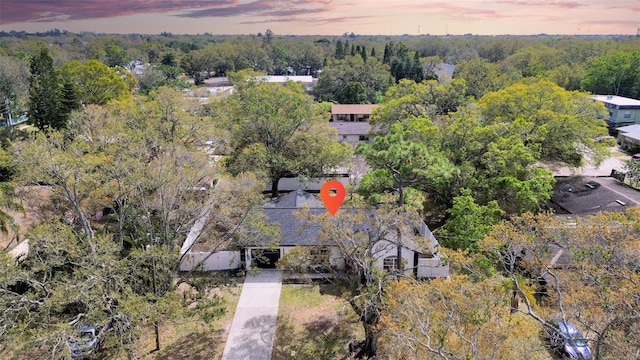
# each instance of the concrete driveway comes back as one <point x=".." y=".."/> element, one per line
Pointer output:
<point x="254" y="323"/>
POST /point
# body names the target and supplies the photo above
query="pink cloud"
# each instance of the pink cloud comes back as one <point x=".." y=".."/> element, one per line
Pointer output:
<point x="13" y="11"/>
<point x="544" y="4"/>
<point x="317" y="20"/>
<point x="275" y="8"/>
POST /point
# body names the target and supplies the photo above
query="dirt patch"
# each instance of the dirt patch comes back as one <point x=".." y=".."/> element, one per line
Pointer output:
<point x="32" y="199"/>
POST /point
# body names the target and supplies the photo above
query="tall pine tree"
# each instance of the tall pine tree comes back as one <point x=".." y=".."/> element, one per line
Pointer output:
<point x="69" y="98"/>
<point x="45" y="94"/>
<point x="339" y="50"/>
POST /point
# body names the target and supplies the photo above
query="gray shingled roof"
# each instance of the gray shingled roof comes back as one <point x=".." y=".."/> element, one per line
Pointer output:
<point x="351" y="127"/>
<point x="294" y="231"/>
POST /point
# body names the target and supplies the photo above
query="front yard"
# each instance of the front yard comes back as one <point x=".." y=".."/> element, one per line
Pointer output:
<point x="200" y="334"/>
<point x="314" y="323"/>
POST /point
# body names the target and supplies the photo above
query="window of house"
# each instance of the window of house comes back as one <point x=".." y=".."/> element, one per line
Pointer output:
<point x="320" y="257"/>
<point x="363" y="138"/>
<point x="343" y="117"/>
<point x="320" y="252"/>
<point x="364" y="117"/>
<point x="627" y="114"/>
<point x="390" y="263"/>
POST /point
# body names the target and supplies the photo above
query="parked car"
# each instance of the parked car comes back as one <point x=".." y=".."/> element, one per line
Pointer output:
<point x="85" y="344"/>
<point x="636" y="157"/>
<point x="568" y="341"/>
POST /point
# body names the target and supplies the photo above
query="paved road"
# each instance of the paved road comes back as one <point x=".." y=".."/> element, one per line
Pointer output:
<point x="615" y="162"/>
<point x="254" y="323"/>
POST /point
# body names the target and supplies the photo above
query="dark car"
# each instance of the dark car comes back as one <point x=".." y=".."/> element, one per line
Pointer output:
<point x="567" y="340"/>
<point x="85" y="343"/>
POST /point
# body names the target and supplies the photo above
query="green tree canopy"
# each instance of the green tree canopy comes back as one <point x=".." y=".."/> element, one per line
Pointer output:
<point x="116" y="56"/>
<point x="279" y="130"/>
<point x="617" y="73"/>
<point x="409" y="164"/>
<point x="372" y="75"/>
<point x="482" y="76"/>
<point x="558" y="124"/>
<point x="496" y="145"/>
<point x="468" y="222"/>
<point x="14" y="82"/>
<point x="409" y="100"/>
<point x="144" y="160"/>
<point x="95" y="82"/>
<point x="353" y="93"/>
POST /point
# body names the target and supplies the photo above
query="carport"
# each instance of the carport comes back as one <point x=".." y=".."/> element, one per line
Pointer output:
<point x="264" y="258"/>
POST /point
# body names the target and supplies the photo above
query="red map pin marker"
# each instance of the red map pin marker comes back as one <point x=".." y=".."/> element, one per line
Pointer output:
<point x="332" y="202"/>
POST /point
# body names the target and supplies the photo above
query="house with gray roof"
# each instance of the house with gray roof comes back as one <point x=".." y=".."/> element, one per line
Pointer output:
<point x="622" y="111"/>
<point x="352" y="122"/>
<point x="352" y="132"/>
<point x="421" y="261"/>
<point x="629" y="137"/>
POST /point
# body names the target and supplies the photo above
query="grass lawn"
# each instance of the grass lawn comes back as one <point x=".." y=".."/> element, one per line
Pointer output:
<point x="616" y="152"/>
<point x="313" y="323"/>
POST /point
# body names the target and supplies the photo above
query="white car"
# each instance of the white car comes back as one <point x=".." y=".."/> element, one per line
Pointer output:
<point x="85" y="344"/>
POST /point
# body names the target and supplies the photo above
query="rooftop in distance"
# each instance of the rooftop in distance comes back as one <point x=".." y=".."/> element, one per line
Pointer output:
<point x="617" y="100"/>
<point x="352" y="108"/>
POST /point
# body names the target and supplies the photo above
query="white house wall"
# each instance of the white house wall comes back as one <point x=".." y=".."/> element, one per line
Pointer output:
<point x="385" y="249"/>
<point x="432" y="268"/>
<point x="223" y="260"/>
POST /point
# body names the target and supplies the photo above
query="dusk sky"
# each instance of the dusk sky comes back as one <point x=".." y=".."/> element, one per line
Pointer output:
<point x="326" y="17"/>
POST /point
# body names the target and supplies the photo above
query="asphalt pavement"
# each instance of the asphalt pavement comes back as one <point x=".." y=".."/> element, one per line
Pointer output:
<point x="616" y="161"/>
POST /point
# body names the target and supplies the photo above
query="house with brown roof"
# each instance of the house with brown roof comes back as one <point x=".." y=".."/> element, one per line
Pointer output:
<point x="351" y="112"/>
